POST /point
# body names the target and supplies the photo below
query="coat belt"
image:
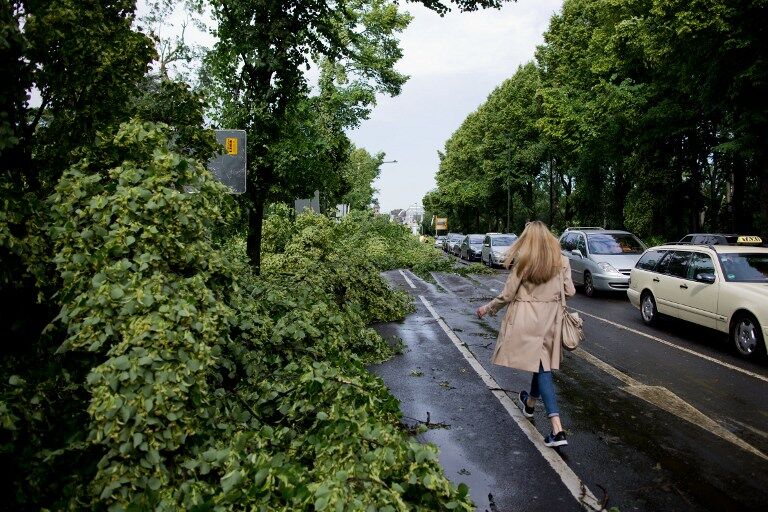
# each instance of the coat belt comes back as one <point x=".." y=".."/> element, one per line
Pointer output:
<point x="535" y="299"/>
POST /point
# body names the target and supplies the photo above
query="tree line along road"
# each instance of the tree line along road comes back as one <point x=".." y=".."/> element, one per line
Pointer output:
<point x="663" y="418"/>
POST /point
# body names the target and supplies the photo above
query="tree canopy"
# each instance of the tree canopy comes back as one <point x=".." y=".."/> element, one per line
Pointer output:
<point x="643" y="115"/>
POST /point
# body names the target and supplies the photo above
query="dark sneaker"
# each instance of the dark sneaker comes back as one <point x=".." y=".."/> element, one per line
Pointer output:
<point x="558" y="439"/>
<point x="523" y="398"/>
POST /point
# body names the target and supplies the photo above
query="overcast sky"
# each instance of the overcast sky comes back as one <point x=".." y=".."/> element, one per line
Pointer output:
<point x="454" y="63"/>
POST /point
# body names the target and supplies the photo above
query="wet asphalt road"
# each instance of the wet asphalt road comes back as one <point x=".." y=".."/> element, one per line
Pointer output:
<point x="664" y="418"/>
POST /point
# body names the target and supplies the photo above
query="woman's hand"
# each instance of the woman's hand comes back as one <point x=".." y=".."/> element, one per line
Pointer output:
<point x="481" y="312"/>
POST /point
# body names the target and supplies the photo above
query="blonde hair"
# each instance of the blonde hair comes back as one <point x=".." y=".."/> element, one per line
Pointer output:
<point x="535" y="256"/>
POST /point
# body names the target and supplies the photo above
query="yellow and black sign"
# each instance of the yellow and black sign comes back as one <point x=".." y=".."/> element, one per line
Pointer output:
<point x="441" y="223"/>
<point x="231" y="145"/>
<point x="749" y="240"/>
<point x="230" y="166"/>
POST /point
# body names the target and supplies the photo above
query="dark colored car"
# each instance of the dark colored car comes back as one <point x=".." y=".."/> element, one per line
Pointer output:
<point x="471" y="247"/>
<point x="720" y="239"/>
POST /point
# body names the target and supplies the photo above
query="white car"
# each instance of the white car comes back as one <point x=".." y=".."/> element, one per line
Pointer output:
<point x="724" y="287"/>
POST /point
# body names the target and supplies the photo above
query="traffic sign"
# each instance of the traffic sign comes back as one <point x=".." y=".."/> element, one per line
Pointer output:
<point x="230" y="167"/>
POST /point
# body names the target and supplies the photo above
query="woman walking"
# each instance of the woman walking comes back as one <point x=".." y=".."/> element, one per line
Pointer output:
<point x="529" y="338"/>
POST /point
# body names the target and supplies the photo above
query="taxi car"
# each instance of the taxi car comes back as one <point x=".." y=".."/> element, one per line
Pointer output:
<point x="724" y="287"/>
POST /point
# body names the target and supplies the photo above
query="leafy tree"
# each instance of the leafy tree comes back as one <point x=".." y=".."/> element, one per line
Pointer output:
<point x="255" y="72"/>
<point x="361" y="170"/>
<point x="644" y="114"/>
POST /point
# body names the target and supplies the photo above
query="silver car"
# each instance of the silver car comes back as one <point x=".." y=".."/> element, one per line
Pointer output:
<point x="600" y="259"/>
<point x="452" y="240"/>
<point x="495" y="247"/>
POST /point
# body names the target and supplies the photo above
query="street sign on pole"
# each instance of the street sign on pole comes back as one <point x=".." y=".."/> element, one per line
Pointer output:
<point x="441" y="223"/>
<point x="229" y="167"/>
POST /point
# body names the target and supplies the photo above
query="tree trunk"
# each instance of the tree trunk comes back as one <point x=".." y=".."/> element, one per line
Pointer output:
<point x="551" y="191"/>
<point x="255" y="219"/>
<point x="258" y="195"/>
<point x="761" y="168"/>
<point x="738" y="220"/>
<point x="529" y="200"/>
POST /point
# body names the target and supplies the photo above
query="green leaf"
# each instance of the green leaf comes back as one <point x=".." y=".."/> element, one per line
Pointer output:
<point x="230" y="480"/>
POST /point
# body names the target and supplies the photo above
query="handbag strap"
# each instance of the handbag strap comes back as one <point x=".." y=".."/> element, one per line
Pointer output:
<point x="562" y="289"/>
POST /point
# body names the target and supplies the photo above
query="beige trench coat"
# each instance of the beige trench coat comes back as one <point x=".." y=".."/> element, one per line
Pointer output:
<point x="530" y="331"/>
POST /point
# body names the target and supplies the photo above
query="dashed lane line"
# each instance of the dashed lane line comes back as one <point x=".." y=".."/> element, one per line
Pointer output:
<point x="407" y="279"/>
<point x="672" y="345"/>
<point x="666" y="400"/>
<point x="571" y="481"/>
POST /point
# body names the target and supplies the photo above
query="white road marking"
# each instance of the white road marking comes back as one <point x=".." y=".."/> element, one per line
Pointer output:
<point x="407" y="280"/>
<point x="571" y="481"/>
<point x="440" y="283"/>
<point x="670" y="344"/>
<point x="664" y="399"/>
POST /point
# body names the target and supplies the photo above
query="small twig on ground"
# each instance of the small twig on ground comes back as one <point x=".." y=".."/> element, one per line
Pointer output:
<point x="429" y="423"/>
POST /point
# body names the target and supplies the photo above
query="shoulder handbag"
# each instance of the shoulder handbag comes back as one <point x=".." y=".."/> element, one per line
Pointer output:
<point x="571" y="333"/>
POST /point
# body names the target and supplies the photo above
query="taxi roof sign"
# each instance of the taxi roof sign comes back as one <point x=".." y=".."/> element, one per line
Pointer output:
<point x="749" y="240"/>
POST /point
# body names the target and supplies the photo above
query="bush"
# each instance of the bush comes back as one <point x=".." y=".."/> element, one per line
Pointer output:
<point x="187" y="382"/>
<point x="391" y="246"/>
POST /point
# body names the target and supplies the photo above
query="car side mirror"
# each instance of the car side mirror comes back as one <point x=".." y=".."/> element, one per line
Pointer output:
<point x="486" y="245"/>
<point x="577" y="252"/>
<point x="705" y="278"/>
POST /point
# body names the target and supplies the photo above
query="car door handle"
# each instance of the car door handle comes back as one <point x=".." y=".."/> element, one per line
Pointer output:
<point x="655" y="279"/>
<point x="684" y="286"/>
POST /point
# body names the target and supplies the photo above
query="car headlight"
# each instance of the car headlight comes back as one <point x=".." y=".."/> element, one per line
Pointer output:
<point x="608" y="268"/>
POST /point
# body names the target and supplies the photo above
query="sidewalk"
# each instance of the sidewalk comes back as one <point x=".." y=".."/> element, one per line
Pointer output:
<point x="480" y="443"/>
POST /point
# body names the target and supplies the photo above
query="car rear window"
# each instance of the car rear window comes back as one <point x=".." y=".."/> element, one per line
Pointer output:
<point x="501" y="241"/>
<point x="650" y="259"/>
<point x="614" y="243"/>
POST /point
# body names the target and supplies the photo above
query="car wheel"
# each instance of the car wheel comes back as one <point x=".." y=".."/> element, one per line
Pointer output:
<point x="648" y="310"/>
<point x="589" y="286"/>
<point x="746" y="336"/>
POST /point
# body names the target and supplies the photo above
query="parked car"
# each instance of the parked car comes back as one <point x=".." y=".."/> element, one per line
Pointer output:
<point x="450" y="239"/>
<point x="723" y="287"/>
<point x="471" y="247"/>
<point x="601" y="259"/>
<point x="495" y="247"/>
<point x="439" y="241"/>
<point x="453" y="240"/>
<point x="720" y="239"/>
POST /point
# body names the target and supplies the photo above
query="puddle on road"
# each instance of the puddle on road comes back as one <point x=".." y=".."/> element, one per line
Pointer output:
<point x="459" y="470"/>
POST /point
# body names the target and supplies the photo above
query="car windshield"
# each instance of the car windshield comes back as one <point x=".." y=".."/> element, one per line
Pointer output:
<point x="475" y="240"/>
<point x="751" y="267"/>
<point x="503" y="241"/>
<point x="456" y="237"/>
<point x="614" y="243"/>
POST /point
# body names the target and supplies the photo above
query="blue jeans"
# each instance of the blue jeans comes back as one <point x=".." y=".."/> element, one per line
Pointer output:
<point x="543" y="387"/>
